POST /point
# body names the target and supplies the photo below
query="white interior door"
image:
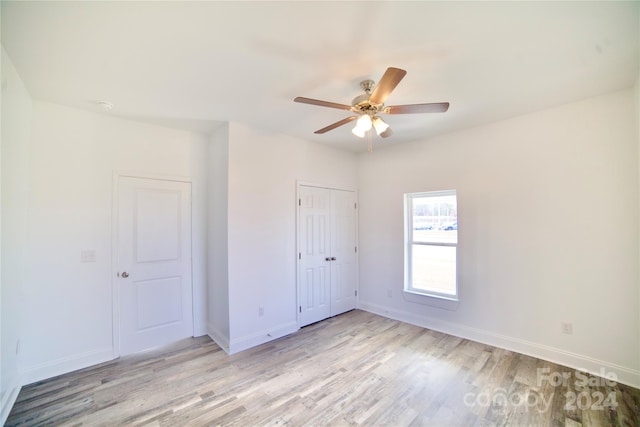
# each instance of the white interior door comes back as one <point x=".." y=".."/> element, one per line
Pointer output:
<point x="327" y="253"/>
<point x="343" y="251"/>
<point x="314" y="269"/>
<point x="154" y="262"/>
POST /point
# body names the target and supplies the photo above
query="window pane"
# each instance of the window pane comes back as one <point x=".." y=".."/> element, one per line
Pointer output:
<point x="435" y="219"/>
<point x="434" y="268"/>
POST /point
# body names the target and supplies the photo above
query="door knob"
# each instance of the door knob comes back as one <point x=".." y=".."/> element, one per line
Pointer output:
<point x="327" y="259"/>
<point x="125" y="274"/>
<point x="333" y="258"/>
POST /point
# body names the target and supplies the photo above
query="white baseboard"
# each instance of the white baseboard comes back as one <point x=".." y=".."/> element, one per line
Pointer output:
<point x="219" y="338"/>
<point x="580" y="362"/>
<point x="246" y="342"/>
<point x="8" y="399"/>
<point x="31" y="374"/>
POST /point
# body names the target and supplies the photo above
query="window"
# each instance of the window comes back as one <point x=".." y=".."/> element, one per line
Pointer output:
<point x="431" y="239"/>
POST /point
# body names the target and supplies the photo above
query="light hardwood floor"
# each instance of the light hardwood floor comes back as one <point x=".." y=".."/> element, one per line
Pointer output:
<point x="353" y="369"/>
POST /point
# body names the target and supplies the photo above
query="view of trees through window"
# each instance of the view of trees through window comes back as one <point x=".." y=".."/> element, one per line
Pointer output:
<point x="432" y="241"/>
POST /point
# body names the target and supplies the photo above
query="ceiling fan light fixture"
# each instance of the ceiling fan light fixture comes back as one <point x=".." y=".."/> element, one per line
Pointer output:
<point x="380" y="125"/>
<point x="387" y="133"/>
<point x="364" y="122"/>
<point x="358" y="131"/>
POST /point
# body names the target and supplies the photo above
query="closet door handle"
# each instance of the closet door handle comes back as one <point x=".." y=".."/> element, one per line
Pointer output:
<point x="327" y="259"/>
<point x="333" y="258"/>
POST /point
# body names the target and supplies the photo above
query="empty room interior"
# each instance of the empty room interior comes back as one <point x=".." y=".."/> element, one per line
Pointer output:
<point x="320" y="213"/>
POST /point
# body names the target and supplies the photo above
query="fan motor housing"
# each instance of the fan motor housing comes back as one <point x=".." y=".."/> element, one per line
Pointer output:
<point x="361" y="102"/>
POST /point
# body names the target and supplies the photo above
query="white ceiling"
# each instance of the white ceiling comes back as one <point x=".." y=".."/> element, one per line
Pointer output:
<point x="193" y="64"/>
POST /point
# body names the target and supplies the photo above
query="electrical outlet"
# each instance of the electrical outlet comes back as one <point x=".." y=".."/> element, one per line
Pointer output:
<point x="261" y="311"/>
<point x="567" y="328"/>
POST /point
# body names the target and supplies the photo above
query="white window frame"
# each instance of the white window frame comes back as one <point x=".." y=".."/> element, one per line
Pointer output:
<point x="422" y="296"/>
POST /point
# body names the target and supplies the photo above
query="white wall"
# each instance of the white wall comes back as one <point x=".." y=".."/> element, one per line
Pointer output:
<point x="218" y="205"/>
<point x="67" y="307"/>
<point x="548" y="231"/>
<point x="16" y="128"/>
<point x="198" y="170"/>
<point x="263" y="170"/>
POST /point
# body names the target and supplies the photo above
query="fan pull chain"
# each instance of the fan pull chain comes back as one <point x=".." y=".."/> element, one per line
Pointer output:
<point x="370" y="141"/>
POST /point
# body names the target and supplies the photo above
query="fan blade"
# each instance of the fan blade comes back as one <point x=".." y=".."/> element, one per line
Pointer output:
<point x="304" y="100"/>
<point x="336" y="124"/>
<point x="436" y="107"/>
<point x="387" y="84"/>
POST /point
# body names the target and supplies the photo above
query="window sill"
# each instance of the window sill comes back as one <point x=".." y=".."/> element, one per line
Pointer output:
<point x="431" y="300"/>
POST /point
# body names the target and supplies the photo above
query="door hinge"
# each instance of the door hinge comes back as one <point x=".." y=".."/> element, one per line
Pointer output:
<point x="356" y="249"/>
<point x="299" y="202"/>
<point x="300" y="308"/>
<point x="299" y="255"/>
<point x="355" y="206"/>
<point x="356" y="292"/>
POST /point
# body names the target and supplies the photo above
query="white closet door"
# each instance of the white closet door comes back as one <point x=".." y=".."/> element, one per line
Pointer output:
<point x="343" y="251"/>
<point x="327" y="253"/>
<point x="314" y="253"/>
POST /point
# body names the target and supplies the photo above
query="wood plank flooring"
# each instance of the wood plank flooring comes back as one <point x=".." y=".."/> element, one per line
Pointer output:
<point x="353" y="369"/>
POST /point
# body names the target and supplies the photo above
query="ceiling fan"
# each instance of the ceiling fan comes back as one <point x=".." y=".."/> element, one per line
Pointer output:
<point x="370" y="104"/>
